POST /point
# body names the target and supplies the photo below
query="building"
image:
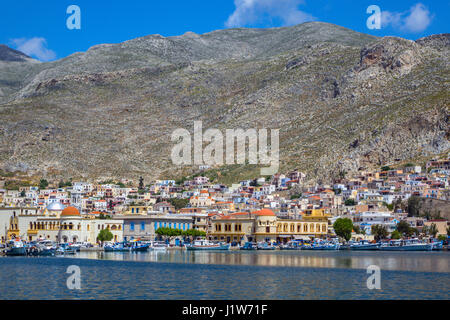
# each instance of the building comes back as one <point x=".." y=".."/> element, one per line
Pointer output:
<point x="61" y="224"/>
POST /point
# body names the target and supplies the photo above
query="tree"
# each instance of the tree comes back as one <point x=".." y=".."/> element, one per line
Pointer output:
<point x="343" y="228"/>
<point x="141" y="184"/>
<point x="379" y="232"/>
<point x="433" y="230"/>
<point x="385" y="168"/>
<point x="396" y="234"/>
<point x="448" y="231"/>
<point x="178" y="203"/>
<point x="403" y="227"/>
<point x="413" y="207"/>
<point x="43" y="184"/>
<point x="357" y="229"/>
<point x="22" y="193"/>
<point x="350" y="202"/>
<point x="442" y="237"/>
<point x="104" y="235"/>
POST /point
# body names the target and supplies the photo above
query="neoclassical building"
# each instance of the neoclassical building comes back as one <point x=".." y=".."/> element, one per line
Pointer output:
<point x="62" y="224"/>
<point x="264" y="225"/>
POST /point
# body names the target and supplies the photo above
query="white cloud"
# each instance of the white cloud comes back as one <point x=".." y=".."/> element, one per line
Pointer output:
<point x="256" y="11"/>
<point x="415" y="20"/>
<point x="34" y="47"/>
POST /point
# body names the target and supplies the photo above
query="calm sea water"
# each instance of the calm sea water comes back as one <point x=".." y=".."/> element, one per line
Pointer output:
<point x="229" y="275"/>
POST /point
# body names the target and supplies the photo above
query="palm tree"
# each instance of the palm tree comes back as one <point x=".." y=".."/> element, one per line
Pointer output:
<point x="433" y="230"/>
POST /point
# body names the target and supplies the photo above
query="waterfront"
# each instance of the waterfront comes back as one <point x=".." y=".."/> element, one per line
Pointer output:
<point x="228" y="275"/>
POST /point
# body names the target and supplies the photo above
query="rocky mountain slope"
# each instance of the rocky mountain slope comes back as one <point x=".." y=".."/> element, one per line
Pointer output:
<point x="342" y="100"/>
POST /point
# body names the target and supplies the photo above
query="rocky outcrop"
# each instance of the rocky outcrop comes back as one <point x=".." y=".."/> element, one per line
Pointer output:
<point x="342" y="100"/>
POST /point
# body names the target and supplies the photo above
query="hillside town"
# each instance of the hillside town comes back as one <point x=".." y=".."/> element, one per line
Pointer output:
<point x="279" y="208"/>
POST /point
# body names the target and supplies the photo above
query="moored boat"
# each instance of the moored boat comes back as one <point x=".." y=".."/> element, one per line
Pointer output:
<point x="406" y="245"/>
<point x="207" y="245"/>
<point x="16" y="247"/>
<point x="248" y="246"/>
<point x="365" y="245"/>
<point x="265" y="246"/>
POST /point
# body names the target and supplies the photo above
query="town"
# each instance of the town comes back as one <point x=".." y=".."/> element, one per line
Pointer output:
<point x="277" y="209"/>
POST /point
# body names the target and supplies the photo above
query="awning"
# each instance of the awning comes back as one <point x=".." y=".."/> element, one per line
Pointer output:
<point x="285" y="236"/>
<point x="302" y="237"/>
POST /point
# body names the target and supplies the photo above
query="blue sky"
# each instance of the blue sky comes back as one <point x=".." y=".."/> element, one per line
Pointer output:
<point x="39" y="29"/>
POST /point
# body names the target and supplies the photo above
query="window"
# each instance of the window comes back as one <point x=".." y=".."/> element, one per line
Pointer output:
<point x="238" y="227"/>
<point x="227" y="227"/>
<point x="218" y="227"/>
<point x="142" y="226"/>
<point x="132" y="226"/>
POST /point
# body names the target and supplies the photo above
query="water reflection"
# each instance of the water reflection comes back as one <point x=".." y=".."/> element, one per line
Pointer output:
<point x="405" y="261"/>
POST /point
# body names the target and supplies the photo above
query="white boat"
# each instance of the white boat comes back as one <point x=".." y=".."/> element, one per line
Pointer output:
<point x="157" y="246"/>
<point x="406" y="245"/>
<point x="365" y="245"/>
<point x="16" y="247"/>
<point x="207" y="245"/>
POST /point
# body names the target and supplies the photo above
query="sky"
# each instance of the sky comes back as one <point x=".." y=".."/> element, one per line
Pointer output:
<point x="41" y="28"/>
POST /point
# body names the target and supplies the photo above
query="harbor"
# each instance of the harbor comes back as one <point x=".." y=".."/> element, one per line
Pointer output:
<point x="185" y="274"/>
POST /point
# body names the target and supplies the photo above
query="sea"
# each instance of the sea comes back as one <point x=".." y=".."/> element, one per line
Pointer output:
<point x="228" y="275"/>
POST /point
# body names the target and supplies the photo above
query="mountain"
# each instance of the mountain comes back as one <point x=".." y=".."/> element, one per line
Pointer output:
<point x="343" y="101"/>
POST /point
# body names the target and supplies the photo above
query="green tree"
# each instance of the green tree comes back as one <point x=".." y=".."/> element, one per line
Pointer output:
<point x="433" y="230"/>
<point x="448" y="231"/>
<point x="413" y="206"/>
<point x="22" y="193"/>
<point x="178" y="203"/>
<point x="442" y="237"/>
<point x="385" y="168"/>
<point x="350" y="202"/>
<point x="396" y="234"/>
<point x="403" y="227"/>
<point x="379" y="232"/>
<point x="104" y="235"/>
<point x="43" y="184"/>
<point x="357" y="229"/>
<point x="343" y="228"/>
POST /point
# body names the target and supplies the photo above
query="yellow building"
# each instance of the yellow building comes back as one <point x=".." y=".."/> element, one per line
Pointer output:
<point x="263" y="225"/>
<point x="136" y="209"/>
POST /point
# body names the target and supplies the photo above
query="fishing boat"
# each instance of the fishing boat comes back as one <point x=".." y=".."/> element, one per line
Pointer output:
<point x="43" y="248"/>
<point x="248" y="246"/>
<point x="325" y="245"/>
<point x="438" y="245"/>
<point x="291" y="245"/>
<point x="265" y="246"/>
<point x="365" y="245"/>
<point x="16" y="247"/>
<point x="132" y="246"/>
<point x="207" y="245"/>
<point x="65" y="249"/>
<point x="406" y="245"/>
<point x="138" y="246"/>
<point x="157" y="246"/>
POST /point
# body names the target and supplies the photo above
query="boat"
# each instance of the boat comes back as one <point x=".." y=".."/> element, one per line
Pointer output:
<point x="291" y="245"/>
<point x="248" y="246"/>
<point x="365" y="245"/>
<point x="132" y="246"/>
<point x="406" y="245"/>
<point x="265" y="246"/>
<point x="157" y="246"/>
<point x="207" y="245"/>
<point x="138" y="246"/>
<point x="43" y="248"/>
<point x="325" y="245"/>
<point x="438" y="245"/>
<point x="65" y="249"/>
<point x="16" y="247"/>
